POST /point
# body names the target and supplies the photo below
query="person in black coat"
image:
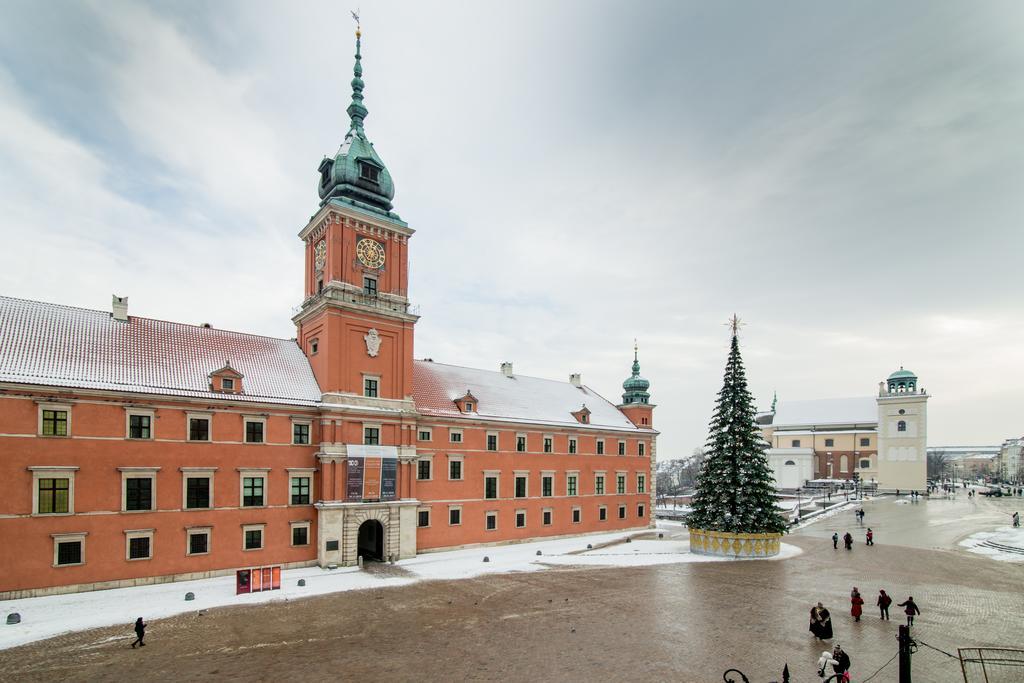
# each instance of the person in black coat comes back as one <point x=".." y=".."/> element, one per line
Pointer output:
<point x="140" y="632"/>
<point x="821" y="622"/>
<point x="842" y="664"/>
<point x="910" y="608"/>
<point x="848" y="540"/>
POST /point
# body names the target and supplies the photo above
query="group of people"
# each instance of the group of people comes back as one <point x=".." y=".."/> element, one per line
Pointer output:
<point x="821" y="625"/>
<point x="869" y="539"/>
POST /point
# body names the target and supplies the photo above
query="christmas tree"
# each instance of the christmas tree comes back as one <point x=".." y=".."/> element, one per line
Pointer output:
<point x="735" y="487"/>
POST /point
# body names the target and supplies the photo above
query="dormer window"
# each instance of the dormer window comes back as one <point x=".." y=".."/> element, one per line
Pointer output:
<point x="582" y="415"/>
<point x="227" y="384"/>
<point x="369" y="172"/>
<point x="466" y="403"/>
<point x="469" y="406"/>
<point x="226" y="380"/>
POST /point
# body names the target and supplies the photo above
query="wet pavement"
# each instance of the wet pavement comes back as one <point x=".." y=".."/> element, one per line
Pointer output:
<point x="684" y="622"/>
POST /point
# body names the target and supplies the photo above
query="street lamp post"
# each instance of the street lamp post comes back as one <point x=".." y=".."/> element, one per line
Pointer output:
<point x="798" y="504"/>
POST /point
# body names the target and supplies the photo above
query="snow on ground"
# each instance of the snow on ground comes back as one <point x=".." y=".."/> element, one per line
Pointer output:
<point x="45" y="617"/>
<point x="1004" y="536"/>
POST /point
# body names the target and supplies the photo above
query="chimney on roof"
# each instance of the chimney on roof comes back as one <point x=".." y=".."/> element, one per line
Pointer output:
<point x="506" y="368"/>
<point x="576" y="380"/>
<point x="119" y="304"/>
<point x="207" y="326"/>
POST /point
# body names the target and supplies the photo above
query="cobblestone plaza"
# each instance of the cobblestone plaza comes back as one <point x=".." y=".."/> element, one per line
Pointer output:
<point x="685" y="622"/>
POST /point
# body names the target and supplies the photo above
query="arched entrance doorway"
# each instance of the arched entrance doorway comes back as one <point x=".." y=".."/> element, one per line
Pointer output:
<point x="371" y="540"/>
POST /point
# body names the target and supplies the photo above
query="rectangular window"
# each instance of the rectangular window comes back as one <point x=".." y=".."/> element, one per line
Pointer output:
<point x="641" y="483"/>
<point x="198" y="542"/>
<point x="69" y="552"/>
<point x="423" y="518"/>
<point x="139" y="426"/>
<point x="227" y="384"/>
<point x="620" y="483"/>
<point x="546" y="486"/>
<point x="300" y="490"/>
<point x="138" y="493"/>
<point x="490" y="487"/>
<point x="424" y="435"/>
<point x="423" y="470"/>
<point x="548" y="447"/>
<point x="369" y="286"/>
<point x="547" y="518"/>
<point x="641" y="449"/>
<point x="600" y="446"/>
<point x="599" y="484"/>
<point x="491" y="521"/>
<point x="55" y="423"/>
<point x="455" y="436"/>
<point x="521" y="444"/>
<point x="520" y="486"/>
<point x="829" y="443"/>
<point x="300" y="535"/>
<point x="300" y="434"/>
<point x="252" y="491"/>
<point x="865" y="442"/>
<point x="454" y="516"/>
<point x="371" y="436"/>
<point x="570" y="485"/>
<point x="622" y="512"/>
<point x="253" y="431"/>
<point x="622" y="448"/>
<point x="572" y="446"/>
<point x="470" y="406"/>
<point x="197" y="492"/>
<point x="138" y="548"/>
<point x="796" y="443"/>
<point x="492" y="442"/>
<point x="370" y="388"/>
<point x="253" y="539"/>
<point x="455" y="470"/>
<point x="520" y="519"/>
<point x="53" y="496"/>
<point x="368" y="172"/>
<point x="577" y="515"/>
<point x="640" y="511"/>
<point x="602" y="513"/>
<point x="199" y="429"/>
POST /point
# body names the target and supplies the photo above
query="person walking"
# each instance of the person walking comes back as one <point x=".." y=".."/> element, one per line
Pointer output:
<point x="856" y="604"/>
<point x="821" y="622"/>
<point x="842" y="665"/>
<point x="848" y="540"/>
<point x="835" y="541"/>
<point x="910" y="608"/>
<point x="883" y="604"/>
<point x="870" y="537"/>
<point x="140" y="633"/>
<point x="1016" y="519"/>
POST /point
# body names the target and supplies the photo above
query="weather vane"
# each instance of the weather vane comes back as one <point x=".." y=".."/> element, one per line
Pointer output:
<point x="355" y="15"/>
<point x="735" y="324"/>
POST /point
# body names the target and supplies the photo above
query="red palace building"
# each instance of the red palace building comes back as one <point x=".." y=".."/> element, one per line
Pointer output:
<point x="135" y="450"/>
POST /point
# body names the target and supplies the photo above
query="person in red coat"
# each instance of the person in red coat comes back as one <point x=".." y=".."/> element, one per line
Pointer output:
<point x="856" y="604"/>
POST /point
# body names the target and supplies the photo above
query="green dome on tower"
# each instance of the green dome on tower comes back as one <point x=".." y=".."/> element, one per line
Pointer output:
<point x="357" y="175"/>
<point x="636" y="386"/>
<point x="902" y="381"/>
<point x="902" y="374"/>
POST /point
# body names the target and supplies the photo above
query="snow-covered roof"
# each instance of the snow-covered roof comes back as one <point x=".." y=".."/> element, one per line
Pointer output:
<point x="512" y="399"/>
<point x="64" y="346"/>
<point x="826" y="411"/>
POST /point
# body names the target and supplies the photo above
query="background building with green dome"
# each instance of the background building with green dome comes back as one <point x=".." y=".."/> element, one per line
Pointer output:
<point x="880" y="440"/>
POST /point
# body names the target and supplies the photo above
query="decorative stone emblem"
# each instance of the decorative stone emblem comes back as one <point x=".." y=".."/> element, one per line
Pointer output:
<point x="321" y="254"/>
<point x="372" y="340"/>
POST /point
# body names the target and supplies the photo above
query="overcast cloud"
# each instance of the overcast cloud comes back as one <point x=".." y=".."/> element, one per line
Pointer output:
<point x="847" y="177"/>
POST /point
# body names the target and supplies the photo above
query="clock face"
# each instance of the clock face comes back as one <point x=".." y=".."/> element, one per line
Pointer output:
<point x="370" y="253"/>
<point x="321" y="254"/>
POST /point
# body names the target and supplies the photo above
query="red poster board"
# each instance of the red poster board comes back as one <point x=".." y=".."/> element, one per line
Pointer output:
<point x="258" y="579"/>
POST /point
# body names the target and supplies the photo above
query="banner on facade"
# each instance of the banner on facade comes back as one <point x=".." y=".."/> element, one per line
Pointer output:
<point x="372" y="473"/>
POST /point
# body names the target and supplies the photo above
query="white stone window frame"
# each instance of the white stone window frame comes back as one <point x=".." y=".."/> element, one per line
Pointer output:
<point x="641" y="482"/>
<point x="641" y="511"/>
<point x="194" y="415"/>
<point x="550" y="514"/>
<point x="191" y="531"/>
<point x="452" y="432"/>
<point x="53" y="472"/>
<point x="525" y="474"/>
<point x="228" y="384"/>
<point x="139" y="412"/>
<point x="65" y="407"/>
<point x="379" y="426"/>
<point x="453" y="508"/>
<point x="573" y="445"/>
<point x="547" y="473"/>
<point x="622" y="512"/>
<point x="301" y="473"/>
<point x="569" y="474"/>
<point x="262" y="528"/>
<point x="641" y="449"/>
<point x="489" y="514"/>
<point x="314" y="346"/>
<point x="599" y="448"/>
<point x="497" y="441"/>
<point x="425" y="457"/>
<point x="246" y="419"/>
<point x="299" y="524"/>
<point x="544" y="440"/>
<point x="196" y="473"/>
<point x="129" y="534"/>
<point x="138" y="473"/>
<point x="429" y="432"/>
<point x="462" y="467"/>
<point x="78" y="536"/>
<point x="515" y="520"/>
<point x="375" y="377"/>
<point x="252" y="473"/>
<point x="602" y="509"/>
<point x="300" y="421"/>
<point x="526" y="442"/>
<point x="496" y="474"/>
<point x="576" y="514"/>
<point x="623" y="447"/>
<point x="624" y="475"/>
<point x="603" y="475"/>
<point x="430" y="517"/>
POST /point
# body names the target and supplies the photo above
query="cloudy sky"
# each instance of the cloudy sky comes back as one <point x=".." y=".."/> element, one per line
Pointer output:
<point x="847" y="177"/>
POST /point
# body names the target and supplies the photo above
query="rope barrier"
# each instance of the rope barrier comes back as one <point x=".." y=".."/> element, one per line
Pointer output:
<point x="882" y="667"/>
<point x="921" y="642"/>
